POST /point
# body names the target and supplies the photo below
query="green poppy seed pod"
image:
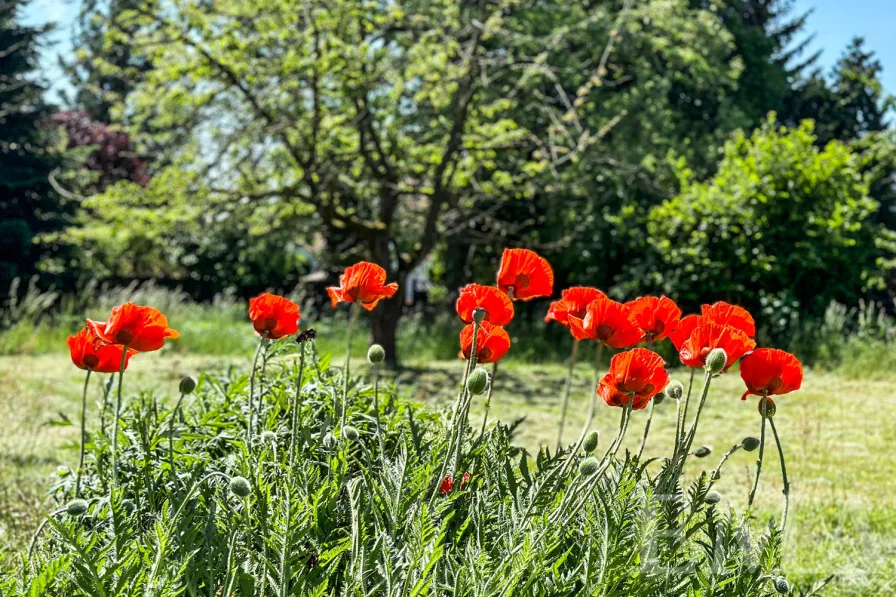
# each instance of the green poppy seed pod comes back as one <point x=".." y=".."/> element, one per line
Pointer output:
<point x="350" y="433"/>
<point x="750" y="443"/>
<point x="588" y="466"/>
<point x="76" y="507"/>
<point x="715" y="360"/>
<point x="674" y="390"/>
<point x="187" y="385"/>
<point x="658" y="399"/>
<point x="702" y="451"/>
<point x="376" y="354"/>
<point x="712" y="498"/>
<point x="479" y="314"/>
<point x="782" y="586"/>
<point x="268" y="437"/>
<point x="240" y="487"/>
<point x="329" y="441"/>
<point x="590" y="443"/>
<point x="478" y="381"/>
<point x="128" y="506"/>
<point x="770" y="407"/>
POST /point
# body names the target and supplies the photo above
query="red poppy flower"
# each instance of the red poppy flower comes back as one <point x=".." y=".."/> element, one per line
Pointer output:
<point x="276" y="315"/>
<point x="726" y="314"/>
<point x="606" y="321"/>
<point x="362" y="283"/>
<point x="90" y="353"/>
<point x="638" y="374"/>
<point x="708" y="336"/>
<point x="656" y="316"/>
<point x="498" y="306"/>
<point x="573" y="302"/>
<point x="525" y="275"/>
<point x="447" y="485"/>
<point x="466" y="479"/>
<point x="770" y="371"/>
<point x="683" y="329"/>
<point x="492" y="342"/>
<point x="142" y="328"/>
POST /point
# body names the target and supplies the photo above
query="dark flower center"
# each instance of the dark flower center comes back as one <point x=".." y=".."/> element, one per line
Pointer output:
<point x="124" y="337"/>
<point x="658" y="328"/>
<point x="270" y="323"/>
<point x="485" y="353"/>
<point x="91" y="361"/>
<point x="775" y="383"/>
<point x="604" y="332"/>
<point x="522" y="280"/>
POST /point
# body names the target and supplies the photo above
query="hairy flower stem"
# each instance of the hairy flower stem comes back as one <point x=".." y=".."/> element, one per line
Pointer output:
<point x="83" y="434"/>
<point x="686" y="448"/>
<point x="284" y="569"/>
<point x="173" y="416"/>
<point x="764" y="404"/>
<point x="716" y="474"/>
<point x="376" y="412"/>
<point x="488" y="397"/>
<point x="346" y="366"/>
<point x="566" y="390"/>
<point x="124" y="355"/>
<point x="40" y="530"/>
<point x="592" y="405"/>
<point x="679" y="426"/>
<point x="646" y="430"/>
<point x="297" y="403"/>
<point x="261" y="343"/>
<point x="786" y="491"/>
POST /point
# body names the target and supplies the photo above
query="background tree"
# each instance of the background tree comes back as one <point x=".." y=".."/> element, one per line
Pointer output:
<point x="30" y="211"/>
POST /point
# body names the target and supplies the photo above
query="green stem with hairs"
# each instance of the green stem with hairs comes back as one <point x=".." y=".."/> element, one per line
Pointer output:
<point x="679" y="427"/>
<point x="646" y="429"/>
<point x="786" y="491"/>
<point x="348" y="356"/>
<point x="488" y="397"/>
<point x="251" y="425"/>
<point x="376" y="410"/>
<point x="566" y="390"/>
<point x="83" y="434"/>
<point x="173" y="416"/>
<point x="294" y="418"/>
<point x="693" y="432"/>
<point x="763" y="409"/>
<point x="124" y="356"/>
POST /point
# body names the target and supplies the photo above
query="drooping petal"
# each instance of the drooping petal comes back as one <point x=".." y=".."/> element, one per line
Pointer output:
<point x="771" y="371"/>
<point x="142" y="328"/>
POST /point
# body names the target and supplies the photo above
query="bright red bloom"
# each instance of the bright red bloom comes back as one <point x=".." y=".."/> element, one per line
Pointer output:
<point x="656" y="316"/>
<point x="142" y="328"/>
<point x="90" y="353"/>
<point x="573" y="302"/>
<point x="682" y="331"/>
<point x="606" y="321"/>
<point x="726" y="314"/>
<point x="525" y="275"/>
<point x="708" y="336"/>
<point x="498" y="306"/>
<point x="770" y="371"/>
<point x="492" y="342"/>
<point x="466" y="479"/>
<point x="447" y="485"/>
<point x="276" y="315"/>
<point x="638" y="374"/>
<point x="362" y="283"/>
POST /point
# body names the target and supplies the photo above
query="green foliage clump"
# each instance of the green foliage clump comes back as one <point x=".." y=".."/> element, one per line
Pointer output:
<point x="304" y="513"/>
<point x="782" y="222"/>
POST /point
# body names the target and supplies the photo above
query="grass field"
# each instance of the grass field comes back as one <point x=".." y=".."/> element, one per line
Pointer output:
<point x="838" y="435"/>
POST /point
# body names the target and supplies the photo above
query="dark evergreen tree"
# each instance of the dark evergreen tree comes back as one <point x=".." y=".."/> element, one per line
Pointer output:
<point x="30" y="210"/>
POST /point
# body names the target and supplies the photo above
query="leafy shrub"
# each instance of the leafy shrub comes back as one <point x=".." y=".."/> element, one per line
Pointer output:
<point x="323" y="508"/>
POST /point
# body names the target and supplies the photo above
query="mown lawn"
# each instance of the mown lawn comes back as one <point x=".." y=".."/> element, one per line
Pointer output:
<point x="838" y="436"/>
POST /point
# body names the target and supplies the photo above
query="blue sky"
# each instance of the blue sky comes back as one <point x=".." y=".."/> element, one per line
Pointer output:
<point x="835" y="23"/>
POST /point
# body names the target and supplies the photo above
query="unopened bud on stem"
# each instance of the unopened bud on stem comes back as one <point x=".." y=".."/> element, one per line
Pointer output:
<point x="478" y="381"/>
<point x="675" y="390"/>
<point x="750" y="443"/>
<point x="240" y="487"/>
<point x="187" y="385"/>
<point x="767" y="407"/>
<point x="590" y="443"/>
<point x="479" y="314"/>
<point x="588" y="466"/>
<point x="376" y="354"/>
<point x="76" y="507"/>
<point x="715" y="360"/>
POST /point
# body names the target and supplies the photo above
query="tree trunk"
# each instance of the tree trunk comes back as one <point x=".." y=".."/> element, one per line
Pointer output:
<point x="384" y="322"/>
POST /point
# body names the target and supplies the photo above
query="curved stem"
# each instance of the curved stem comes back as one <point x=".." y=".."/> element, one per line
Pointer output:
<point x="124" y="355"/>
<point x="488" y="397"/>
<point x="173" y="416"/>
<point x="40" y="529"/>
<point x="716" y="474"/>
<point x="83" y="434"/>
<point x="592" y="405"/>
<point x="761" y="452"/>
<point x="686" y="447"/>
<point x="786" y="492"/>
<point x="566" y="390"/>
<point x="252" y="387"/>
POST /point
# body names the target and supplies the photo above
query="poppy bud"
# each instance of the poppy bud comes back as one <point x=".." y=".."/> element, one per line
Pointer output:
<point x="129" y="506"/>
<point x="658" y="399"/>
<point x="329" y="440"/>
<point x="674" y="390"/>
<point x="770" y="407"/>
<point x="715" y="360"/>
<point x="590" y="443"/>
<point x="76" y="507"/>
<point x="350" y="433"/>
<point x="702" y="451"/>
<point x="240" y="487"/>
<point x="376" y="354"/>
<point x="588" y="466"/>
<point x="479" y="314"/>
<point x="712" y="498"/>
<point x="750" y="443"/>
<point x="187" y="385"/>
<point x="782" y="586"/>
<point x="478" y="381"/>
<point x="268" y="437"/>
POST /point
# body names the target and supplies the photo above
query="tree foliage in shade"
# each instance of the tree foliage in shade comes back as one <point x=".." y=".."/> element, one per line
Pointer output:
<point x="29" y="208"/>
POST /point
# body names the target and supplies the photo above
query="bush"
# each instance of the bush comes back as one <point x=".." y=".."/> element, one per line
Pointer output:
<point x="201" y="508"/>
